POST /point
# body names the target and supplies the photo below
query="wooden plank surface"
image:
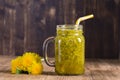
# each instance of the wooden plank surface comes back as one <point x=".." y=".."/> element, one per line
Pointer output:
<point x="94" y="70"/>
<point x="25" y="24"/>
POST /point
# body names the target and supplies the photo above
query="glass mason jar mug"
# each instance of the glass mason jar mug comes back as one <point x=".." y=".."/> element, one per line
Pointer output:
<point x="69" y="50"/>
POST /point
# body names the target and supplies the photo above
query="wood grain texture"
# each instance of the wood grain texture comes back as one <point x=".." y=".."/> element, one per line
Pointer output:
<point x="24" y="25"/>
<point x="102" y="32"/>
<point x="95" y="69"/>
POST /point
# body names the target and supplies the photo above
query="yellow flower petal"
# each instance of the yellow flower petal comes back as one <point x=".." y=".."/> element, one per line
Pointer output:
<point x="16" y="63"/>
<point x="36" y="68"/>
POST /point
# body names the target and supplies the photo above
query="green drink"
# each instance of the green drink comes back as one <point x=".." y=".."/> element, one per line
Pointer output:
<point x="69" y="50"/>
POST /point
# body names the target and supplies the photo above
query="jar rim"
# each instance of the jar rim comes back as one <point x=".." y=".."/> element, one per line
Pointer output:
<point x="70" y="26"/>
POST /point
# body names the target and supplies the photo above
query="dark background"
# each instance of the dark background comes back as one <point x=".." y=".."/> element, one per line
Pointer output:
<point x="25" y="24"/>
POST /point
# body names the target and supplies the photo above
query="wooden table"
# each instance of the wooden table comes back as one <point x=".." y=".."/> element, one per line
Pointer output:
<point x="94" y="70"/>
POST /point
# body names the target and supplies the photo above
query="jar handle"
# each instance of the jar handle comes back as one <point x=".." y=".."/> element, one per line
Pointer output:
<point x="45" y="48"/>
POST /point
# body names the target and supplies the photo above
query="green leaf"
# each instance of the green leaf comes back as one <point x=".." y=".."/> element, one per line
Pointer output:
<point x="18" y="71"/>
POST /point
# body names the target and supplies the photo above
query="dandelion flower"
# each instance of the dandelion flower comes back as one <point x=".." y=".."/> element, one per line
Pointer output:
<point x="29" y="62"/>
<point x="36" y="68"/>
<point x="16" y="63"/>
